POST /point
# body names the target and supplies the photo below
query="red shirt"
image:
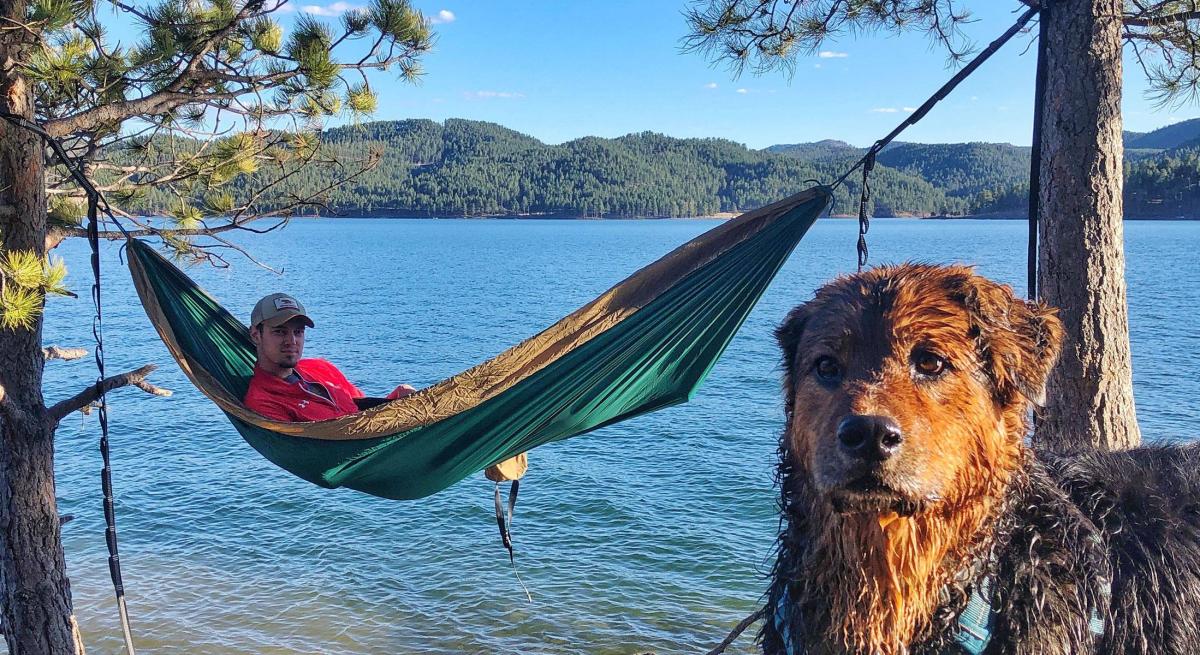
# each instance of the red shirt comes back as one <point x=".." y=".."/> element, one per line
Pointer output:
<point x="276" y="398"/>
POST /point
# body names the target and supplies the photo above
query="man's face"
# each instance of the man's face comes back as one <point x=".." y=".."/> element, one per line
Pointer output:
<point x="279" y="347"/>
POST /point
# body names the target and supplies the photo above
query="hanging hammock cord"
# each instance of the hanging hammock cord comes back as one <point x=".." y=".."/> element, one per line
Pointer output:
<point x="916" y="116"/>
<point x="94" y="201"/>
<point x="864" y="221"/>
<point x="1035" y="159"/>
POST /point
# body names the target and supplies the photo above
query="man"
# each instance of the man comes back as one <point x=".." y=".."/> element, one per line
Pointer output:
<point x="288" y="388"/>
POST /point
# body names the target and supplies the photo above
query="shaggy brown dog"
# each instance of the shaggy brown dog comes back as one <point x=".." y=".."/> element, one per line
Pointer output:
<point x="907" y="486"/>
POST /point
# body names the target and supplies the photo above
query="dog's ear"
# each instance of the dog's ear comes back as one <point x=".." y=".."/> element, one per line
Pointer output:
<point x="788" y="337"/>
<point x="1019" y="341"/>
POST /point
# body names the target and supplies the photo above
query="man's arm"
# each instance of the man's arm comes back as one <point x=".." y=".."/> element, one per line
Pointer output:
<point x="397" y="393"/>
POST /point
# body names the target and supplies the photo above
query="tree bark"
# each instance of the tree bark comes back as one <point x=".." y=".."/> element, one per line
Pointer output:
<point x="1081" y="262"/>
<point x="35" y="595"/>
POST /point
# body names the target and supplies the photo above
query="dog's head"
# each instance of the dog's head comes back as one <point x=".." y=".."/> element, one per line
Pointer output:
<point x="907" y="386"/>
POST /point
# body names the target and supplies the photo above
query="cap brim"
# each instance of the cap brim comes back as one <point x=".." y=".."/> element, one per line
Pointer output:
<point x="287" y="316"/>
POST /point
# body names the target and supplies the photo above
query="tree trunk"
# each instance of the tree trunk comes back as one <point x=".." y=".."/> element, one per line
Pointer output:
<point x="1081" y="254"/>
<point x="35" y="604"/>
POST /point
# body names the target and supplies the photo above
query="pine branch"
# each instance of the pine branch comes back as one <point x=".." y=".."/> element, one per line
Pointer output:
<point x="170" y="97"/>
<point x="81" y="400"/>
<point x="241" y="216"/>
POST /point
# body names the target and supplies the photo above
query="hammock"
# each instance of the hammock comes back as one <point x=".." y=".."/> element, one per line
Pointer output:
<point x="646" y="343"/>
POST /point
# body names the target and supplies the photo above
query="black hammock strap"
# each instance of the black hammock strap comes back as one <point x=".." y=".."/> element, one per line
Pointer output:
<point x="867" y="162"/>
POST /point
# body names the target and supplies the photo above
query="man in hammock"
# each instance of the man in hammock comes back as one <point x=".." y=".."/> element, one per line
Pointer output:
<point x="288" y="388"/>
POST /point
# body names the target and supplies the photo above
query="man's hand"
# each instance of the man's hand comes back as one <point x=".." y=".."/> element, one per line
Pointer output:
<point x="402" y="391"/>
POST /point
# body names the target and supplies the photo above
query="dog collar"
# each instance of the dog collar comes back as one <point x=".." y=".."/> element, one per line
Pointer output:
<point x="975" y="623"/>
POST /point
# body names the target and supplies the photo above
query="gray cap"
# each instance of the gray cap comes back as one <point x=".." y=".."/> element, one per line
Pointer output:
<point x="277" y="309"/>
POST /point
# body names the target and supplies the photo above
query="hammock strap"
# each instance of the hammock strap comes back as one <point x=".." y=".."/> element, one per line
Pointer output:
<point x="503" y="524"/>
<point x="94" y="201"/>
<point x="941" y="93"/>
<point x="1035" y="159"/>
<point x="110" y="513"/>
<point x="864" y="222"/>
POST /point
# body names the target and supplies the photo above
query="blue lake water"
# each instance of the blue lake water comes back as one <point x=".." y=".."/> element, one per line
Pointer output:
<point x="651" y="535"/>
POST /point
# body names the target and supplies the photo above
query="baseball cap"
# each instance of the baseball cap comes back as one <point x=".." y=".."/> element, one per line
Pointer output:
<point x="277" y="309"/>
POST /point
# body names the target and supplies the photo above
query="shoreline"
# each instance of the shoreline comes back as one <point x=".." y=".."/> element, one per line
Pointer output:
<point x="717" y="216"/>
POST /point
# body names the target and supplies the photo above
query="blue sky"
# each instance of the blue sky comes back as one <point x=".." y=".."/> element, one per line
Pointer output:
<point x="563" y="69"/>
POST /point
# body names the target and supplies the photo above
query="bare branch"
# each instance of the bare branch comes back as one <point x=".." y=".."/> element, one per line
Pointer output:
<point x="737" y="630"/>
<point x="65" y="354"/>
<point x="1152" y="21"/>
<point x="85" y="398"/>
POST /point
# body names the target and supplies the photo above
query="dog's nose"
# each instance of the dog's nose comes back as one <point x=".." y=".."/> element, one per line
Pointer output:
<point x="869" y="437"/>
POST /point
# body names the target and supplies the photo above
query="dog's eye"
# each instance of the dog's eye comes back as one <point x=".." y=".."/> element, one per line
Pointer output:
<point x="929" y="364"/>
<point x="827" y="369"/>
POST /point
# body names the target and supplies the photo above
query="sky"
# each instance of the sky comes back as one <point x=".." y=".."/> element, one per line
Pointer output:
<point x="563" y="69"/>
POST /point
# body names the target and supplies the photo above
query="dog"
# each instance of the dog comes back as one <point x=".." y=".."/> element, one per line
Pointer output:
<point x="916" y="518"/>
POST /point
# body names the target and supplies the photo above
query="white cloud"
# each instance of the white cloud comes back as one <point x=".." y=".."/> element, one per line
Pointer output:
<point x="831" y="54"/>
<point x="335" y="9"/>
<point x="974" y="98"/>
<point x="743" y="91"/>
<point x="885" y="110"/>
<point x="443" y="16"/>
<point x="910" y="109"/>
<point x="710" y="85"/>
<point x="816" y="65"/>
<point x="489" y="95"/>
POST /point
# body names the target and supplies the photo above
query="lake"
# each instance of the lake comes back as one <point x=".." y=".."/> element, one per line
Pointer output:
<point x="651" y="535"/>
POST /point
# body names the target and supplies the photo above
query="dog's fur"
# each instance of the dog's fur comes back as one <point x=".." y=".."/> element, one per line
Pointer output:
<point x="880" y="558"/>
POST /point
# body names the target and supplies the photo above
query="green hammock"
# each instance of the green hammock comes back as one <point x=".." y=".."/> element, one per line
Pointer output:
<point x="644" y="344"/>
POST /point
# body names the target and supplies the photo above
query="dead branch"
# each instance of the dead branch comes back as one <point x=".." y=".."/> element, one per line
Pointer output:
<point x="737" y="630"/>
<point x="1151" y="21"/>
<point x="65" y="354"/>
<point x="83" y="399"/>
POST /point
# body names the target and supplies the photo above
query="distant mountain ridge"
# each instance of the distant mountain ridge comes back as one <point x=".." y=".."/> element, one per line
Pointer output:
<point x="471" y="168"/>
<point x="1164" y="138"/>
<point x="1162" y="173"/>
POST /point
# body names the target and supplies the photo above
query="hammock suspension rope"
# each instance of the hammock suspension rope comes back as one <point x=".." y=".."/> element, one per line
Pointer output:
<point x="94" y="201"/>
<point x="867" y="162"/>
<point x="1035" y="159"/>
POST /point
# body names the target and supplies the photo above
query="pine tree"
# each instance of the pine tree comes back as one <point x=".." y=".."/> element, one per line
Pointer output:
<point x="211" y="92"/>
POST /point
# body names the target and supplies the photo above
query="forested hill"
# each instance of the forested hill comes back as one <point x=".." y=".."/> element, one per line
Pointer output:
<point x="469" y="168"/>
<point x="1162" y="171"/>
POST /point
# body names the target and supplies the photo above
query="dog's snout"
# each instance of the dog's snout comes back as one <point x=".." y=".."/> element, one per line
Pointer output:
<point x="869" y="437"/>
